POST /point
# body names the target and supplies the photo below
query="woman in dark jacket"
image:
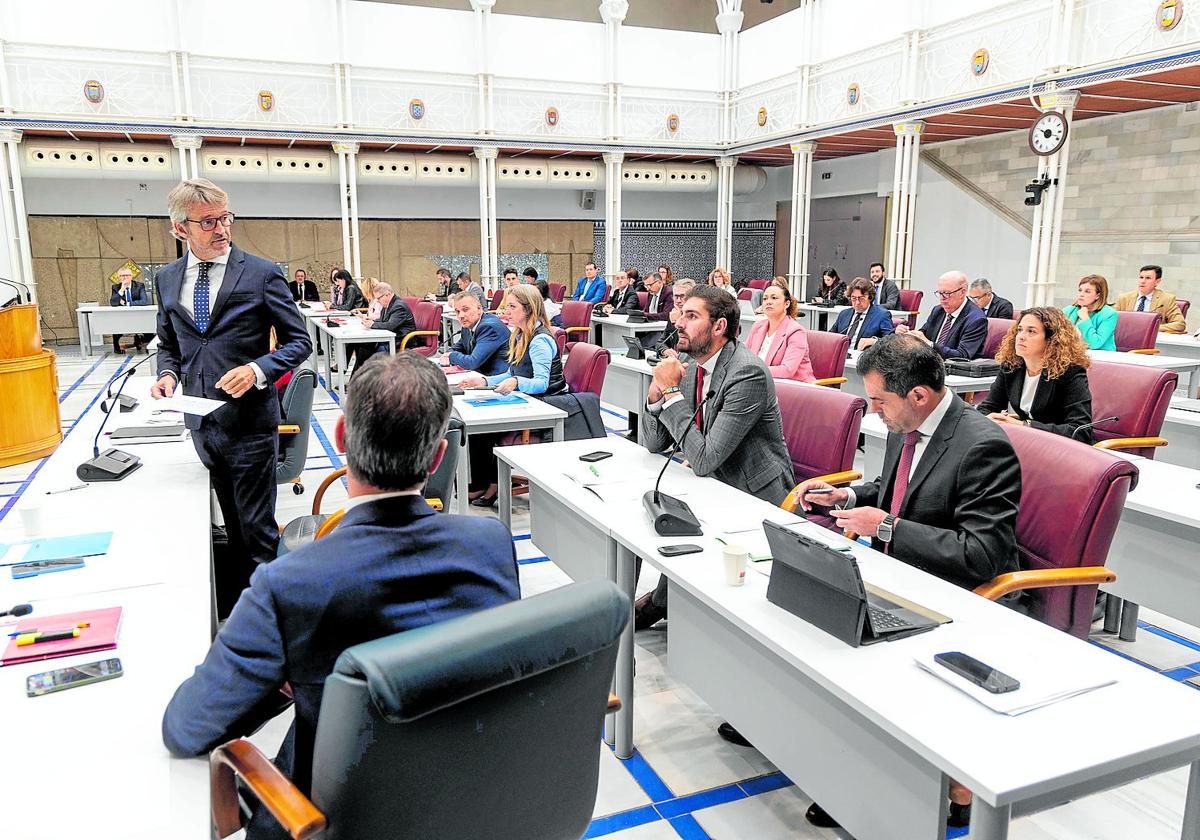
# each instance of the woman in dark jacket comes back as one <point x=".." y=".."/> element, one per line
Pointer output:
<point x="831" y="289"/>
<point x="345" y="294"/>
<point x="1043" y="379"/>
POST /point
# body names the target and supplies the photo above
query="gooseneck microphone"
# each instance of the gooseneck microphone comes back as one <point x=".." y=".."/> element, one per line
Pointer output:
<point x="1086" y="426"/>
<point x="18" y="611"/>
<point x="671" y="516"/>
<point x="126" y="402"/>
<point x="112" y="464"/>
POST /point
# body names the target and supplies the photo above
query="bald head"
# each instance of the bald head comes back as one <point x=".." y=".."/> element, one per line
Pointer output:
<point x="952" y="290"/>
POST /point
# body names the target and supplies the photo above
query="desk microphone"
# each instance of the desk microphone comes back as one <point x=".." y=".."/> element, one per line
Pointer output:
<point x="671" y="516"/>
<point x="126" y="402"/>
<point x="1085" y="426"/>
<point x="18" y="611"/>
<point x="112" y="464"/>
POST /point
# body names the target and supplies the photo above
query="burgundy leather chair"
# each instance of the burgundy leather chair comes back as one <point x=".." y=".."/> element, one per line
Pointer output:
<point x="746" y="294"/>
<point x="411" y="302"/>
<point x="827" y="352"/>
<point x="576" y="317"/>
<point x="1184" y="306"/>
<point x="560" y="338"/>
<point x="497" y="299"/>
<point x="820" y="428"/>
<point x="1137" y="332"/>
<point x="758" y="284"/>
<point x="1138" y="396"/>
<point x="557" y="292"/>
<point x="585" y="368"/>
<point x="997" y="329"/>
<point x="1072" y="497"/>
<point x="910" y="301"/>
<point x="643" y="298"/>
<point x="424" y="339"/>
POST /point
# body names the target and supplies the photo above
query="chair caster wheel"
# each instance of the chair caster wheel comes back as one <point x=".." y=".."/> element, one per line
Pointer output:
<point x="298" y="489"/>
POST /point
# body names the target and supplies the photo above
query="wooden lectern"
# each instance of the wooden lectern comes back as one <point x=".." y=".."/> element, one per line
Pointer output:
<point x="30" y="425"/>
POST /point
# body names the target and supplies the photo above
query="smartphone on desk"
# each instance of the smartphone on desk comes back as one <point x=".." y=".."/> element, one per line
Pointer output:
<point x="61" y="679"/>
<point x="593" y="457"/>
<point x="979" y="673"/>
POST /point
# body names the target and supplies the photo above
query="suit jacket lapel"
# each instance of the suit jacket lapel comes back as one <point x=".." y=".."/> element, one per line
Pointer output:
<point x="233" y="272"/>
<point x="1042" y="396"/>
<point x="936" y="446"/>
<point x="170" y="290"/>
<point x="715" y="381"/>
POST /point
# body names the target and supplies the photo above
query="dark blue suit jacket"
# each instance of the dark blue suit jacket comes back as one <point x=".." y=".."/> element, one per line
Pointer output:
<point x="877" y="322"/>
<point x="137" y="293"/>
<point x="253" y="298"/>
<point x="390" y="566"/>
<point x="966" y="336"/>
<point x="482" y="348"/>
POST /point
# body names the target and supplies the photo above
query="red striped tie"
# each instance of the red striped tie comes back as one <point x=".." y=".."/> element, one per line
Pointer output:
<point x="699" y="396"/>
<point x="900" y="482"/>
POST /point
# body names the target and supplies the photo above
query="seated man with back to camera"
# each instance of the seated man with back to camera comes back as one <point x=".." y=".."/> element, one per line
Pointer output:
<point x="948" y="495"/>
<point x="483" y="343"/>
<point x="957" y="329"/>
<point x="392" y="565"/>
<point x="864" y="321"/>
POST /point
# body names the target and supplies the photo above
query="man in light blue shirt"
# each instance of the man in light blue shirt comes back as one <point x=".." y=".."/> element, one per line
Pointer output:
<point x="590" y="287"/>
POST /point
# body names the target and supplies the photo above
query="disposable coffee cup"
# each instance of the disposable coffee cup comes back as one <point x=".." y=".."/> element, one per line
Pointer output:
<point x="33" y="519"/>
<point x="735" y="564"/>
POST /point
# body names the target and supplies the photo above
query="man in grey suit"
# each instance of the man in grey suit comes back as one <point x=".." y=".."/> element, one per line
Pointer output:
<point x="887" y="293"/>
<point x="736" y="435"/>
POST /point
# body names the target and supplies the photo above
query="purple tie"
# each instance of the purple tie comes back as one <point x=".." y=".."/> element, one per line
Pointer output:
<point x="945" y="330"/>
<point x="900" y="482"/>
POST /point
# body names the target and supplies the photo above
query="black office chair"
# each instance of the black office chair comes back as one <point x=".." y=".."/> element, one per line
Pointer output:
<point x="481" y="726"/>
<point x="294" y="428"/>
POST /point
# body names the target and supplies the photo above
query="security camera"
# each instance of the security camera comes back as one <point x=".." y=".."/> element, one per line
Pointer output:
<point x="1035" y="188"/>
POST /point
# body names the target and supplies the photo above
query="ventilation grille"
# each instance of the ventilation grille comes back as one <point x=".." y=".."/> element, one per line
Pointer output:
<point x="233" y="162"/>
<point x="528" y="171"/>
<point x="444" y="169"/>
<point x="579" y="174"/>
<point x="648" y="175"/>
<point x="305" y="164"/>
<point x="46" y="155"/>
<point x="380" y="166"/>
<point x="140" y="158"/>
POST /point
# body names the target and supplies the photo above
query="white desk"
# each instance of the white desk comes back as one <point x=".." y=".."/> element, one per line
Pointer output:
<point x="608" y="331"/>
<point x="627" y="382"/>
<point x="107" y="737"/>
<point x="95" y="321"/>
<point x="494" y="419"/>
<point x="819" y="317"/>
<point x="1185" y="367"/>
<point x="958" y="384"/>
<point x="1182" y="429"/>
<point x="314" y="312"/>
<point x="340" y="335"/>
<point x="1186" y="345"/>
<point x="853" y="726"/>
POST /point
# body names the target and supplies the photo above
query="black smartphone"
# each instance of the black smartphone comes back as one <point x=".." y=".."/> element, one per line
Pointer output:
<point x="592" y="457"/>
<point x="61" y="679"/>
<point x="983" y="675"/>
<point x="677" y="550"/>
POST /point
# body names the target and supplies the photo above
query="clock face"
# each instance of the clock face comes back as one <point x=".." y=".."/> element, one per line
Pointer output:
<point x="1047" y="135"/>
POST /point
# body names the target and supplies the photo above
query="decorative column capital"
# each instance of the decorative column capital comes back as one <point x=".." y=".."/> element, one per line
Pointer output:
<point x="344" y="147"/>
<point x="614" y="157"/>
<point x="10" y="135"/>
<point x="727" y="162"/>
<point x="729" y="22"/>
<point x="186" y="141"/>
<point x="909" y="129"/>
<point x="486" y="152"/>
<point x="803" y="148"/>
<point x="614" y="11"/>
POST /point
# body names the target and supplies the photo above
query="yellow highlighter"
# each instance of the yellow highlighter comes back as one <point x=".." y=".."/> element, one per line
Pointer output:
<point x="34" y="638"/>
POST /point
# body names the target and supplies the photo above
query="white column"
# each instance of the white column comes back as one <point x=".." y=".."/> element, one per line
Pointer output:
<point x="904" y="201"/>
<point x="483" y="74"/>
<point x="12" y="205"/>
<point x="489" y="256"/>
<point x="189" y="148"/>
<point x="344" y="203"/>
<point x="725" y="166"/>
<point x="729" y="23"/>
<point x="1047" y="216"/>
<point x="613" y="12"/>
<point x="348" y="176"/>
<point x="614" y="163"/>
<point x="802" y="163"/>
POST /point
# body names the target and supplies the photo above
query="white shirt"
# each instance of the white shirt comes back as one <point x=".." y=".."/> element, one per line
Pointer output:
<point x="1144" y="307"/>
<point x="926" y="430"/>
<point x="765" y="350"/>
<point x="709" y="367"/>
<point x="862" y="319"/>
<point x="376" y="497"/>
<point x="1029" y="390"/>
<point x="552" y="309"/>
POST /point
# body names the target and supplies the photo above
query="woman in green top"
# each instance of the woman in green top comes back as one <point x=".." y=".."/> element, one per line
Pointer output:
<point x="1096" y="320"/>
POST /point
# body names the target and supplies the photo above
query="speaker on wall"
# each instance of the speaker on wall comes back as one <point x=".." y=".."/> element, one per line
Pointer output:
<point x="587" y="199"/>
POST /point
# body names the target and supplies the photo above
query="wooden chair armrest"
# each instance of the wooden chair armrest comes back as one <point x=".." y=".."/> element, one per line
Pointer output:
<point x="614" y="703"/>
<point x="1130" y="443"/>
<point x="435" y="503"/>
<point x="361" y="310"/>
<point x="1043" y="579"/>
<point x="274" y="790"/>
<point x="289" y="429"/>
<point x="569" y="330"/>
<point x="404" y="341"/>
<point x="1146" y="351"/>
<point x="329" y="524"/>
<point x="844" y="477"/>
<point x="329" y="479"/>
<point x="831" y="381"/>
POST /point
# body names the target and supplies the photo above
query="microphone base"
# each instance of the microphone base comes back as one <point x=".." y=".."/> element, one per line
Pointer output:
<point x="127" y="403"/>
<point x="671" y="516"/>
<point x="110" y="465"/>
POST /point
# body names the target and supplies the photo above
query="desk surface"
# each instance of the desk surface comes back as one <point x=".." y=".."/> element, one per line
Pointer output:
<point x="1001" y="759"/>
<point x="1161" y="360"/>
<point x="479" y="417"/>
<point x="1166" y="491"/>
<point x="623" y="322"/>
<point x="108" y="735"/>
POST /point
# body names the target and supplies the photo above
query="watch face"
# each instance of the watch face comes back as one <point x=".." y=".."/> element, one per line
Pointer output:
<point x="1048" y="133"/>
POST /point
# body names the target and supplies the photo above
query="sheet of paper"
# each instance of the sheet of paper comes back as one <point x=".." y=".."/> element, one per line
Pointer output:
<point x="198" y="406"/>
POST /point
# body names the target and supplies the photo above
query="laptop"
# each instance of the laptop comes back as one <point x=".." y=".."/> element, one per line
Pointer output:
<point x="823" y="586"/>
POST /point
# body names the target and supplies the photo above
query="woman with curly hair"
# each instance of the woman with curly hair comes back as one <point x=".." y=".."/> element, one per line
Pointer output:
<point x="720" y="278"/>
<point x="1043" y="376"/>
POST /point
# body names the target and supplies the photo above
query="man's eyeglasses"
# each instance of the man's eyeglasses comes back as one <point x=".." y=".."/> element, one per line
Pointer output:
<point x="858" y="298"/>
<point x="225" y="220"/>
<point x="948" y="295"/>
<point x="976" y="298"/>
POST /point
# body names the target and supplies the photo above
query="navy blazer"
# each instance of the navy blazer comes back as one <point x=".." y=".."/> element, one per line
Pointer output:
<point x="137" y="292"/>
<point x="966" y="336"/>
<point x="482" y="348"/>
<point x="876" y="322"/>
<point x="391" y="565"/>
<point x="253" y="298"/>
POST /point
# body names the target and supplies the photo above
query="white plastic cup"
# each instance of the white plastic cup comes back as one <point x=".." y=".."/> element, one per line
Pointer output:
<point x="735" y="564"/>
<point x="33" y="519"/>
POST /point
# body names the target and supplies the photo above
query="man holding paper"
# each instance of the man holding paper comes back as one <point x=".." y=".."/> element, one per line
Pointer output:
<point x="216" y="307"/>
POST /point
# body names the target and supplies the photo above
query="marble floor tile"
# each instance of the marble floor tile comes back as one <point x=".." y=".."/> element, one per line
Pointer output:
<point x="777" y="815"/>
<point x="658" y="830"/>
<point x="1155" y="651"/>
<point x="618" y="790"/>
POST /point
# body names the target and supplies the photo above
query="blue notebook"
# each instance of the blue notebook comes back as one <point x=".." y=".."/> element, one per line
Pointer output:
<point x="510" y="399"/>
<point x="56" y="548"/>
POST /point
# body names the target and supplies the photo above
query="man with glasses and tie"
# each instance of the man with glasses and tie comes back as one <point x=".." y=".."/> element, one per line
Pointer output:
<point x="864" y="321"/>
<point x="129" y="292"/>
<point x="957" y="328"/>
<point x="1150" y="298"/>
<point x="216" y="308"/>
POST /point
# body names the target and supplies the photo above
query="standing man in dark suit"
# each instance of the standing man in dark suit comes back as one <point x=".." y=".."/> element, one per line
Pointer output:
<point x="957" y="328"/>
<point x="302" y="288"/>
<point x="483" y="343"/>
<point x="887" y="293"/>
<point x="216" y="308"/>
<point x="392" y="565"/>
<point x="991" y="304"/>
<point x="864" y="321"/>
<point x="624" y="297"/>
<point x="948" y="496"/>
<point x="128" y="292"/>
<point x="394" y="315"/>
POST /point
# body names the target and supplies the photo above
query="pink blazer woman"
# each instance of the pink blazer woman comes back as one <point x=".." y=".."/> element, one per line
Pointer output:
<point x="788" y="356"/>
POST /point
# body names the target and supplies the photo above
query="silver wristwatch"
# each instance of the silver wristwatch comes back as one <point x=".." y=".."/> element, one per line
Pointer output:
<point x="884" y="532"/>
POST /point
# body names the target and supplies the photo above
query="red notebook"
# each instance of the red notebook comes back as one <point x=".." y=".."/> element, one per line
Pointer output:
<point x="449" y="369"/>
<point x="100" y="635"/>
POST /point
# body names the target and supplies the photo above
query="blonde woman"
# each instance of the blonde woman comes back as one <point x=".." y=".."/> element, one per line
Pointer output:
<point x="368" y="290"/>
<point x="720" y="278"/>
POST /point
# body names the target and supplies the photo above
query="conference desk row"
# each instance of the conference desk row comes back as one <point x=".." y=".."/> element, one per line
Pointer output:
<point x="864" y="731"/>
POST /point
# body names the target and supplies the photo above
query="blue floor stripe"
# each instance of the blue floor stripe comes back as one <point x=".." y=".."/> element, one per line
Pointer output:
<point x="765" y="784"/>
<point x="619" y="822"/>
<point x="647" y="779"/>
<point x="622" y="414"/>
<point x="80" y="380"/>
<point x="704" y="799"/>
<point x="530" y="560"/>
<point x="1167" y="634"/>
<point x="687" y="828"/>
<point x="521" y="537"/>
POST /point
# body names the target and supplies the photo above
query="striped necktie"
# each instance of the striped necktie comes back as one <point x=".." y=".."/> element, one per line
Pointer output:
<point x="200" y="298"/>
<point x="945" y="330"/>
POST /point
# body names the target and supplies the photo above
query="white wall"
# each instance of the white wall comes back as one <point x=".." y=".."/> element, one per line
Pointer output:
<point x="121" y="24"/>
<point x="664" y="58"/>
<point x="770" y="49"/>
<point x="410" y="37"/>
<point x="539" y="48"/>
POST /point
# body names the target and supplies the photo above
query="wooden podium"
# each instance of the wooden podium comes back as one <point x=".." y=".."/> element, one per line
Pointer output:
<point x="30" y="425"/>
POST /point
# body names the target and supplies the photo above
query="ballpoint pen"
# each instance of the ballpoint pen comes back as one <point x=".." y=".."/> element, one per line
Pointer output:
<point x="66" y="489"/>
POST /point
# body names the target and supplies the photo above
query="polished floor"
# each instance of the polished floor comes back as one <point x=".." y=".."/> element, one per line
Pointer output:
<point x="684" y="781"/>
